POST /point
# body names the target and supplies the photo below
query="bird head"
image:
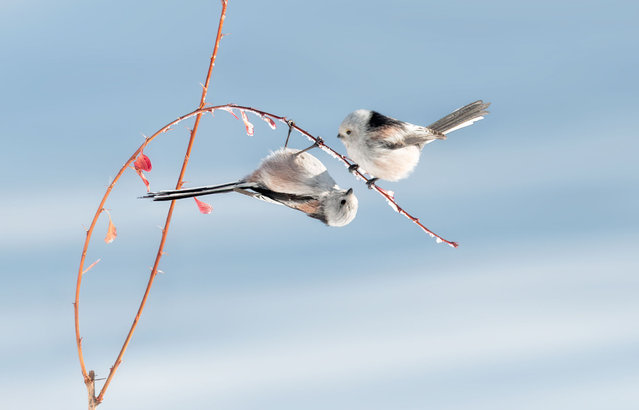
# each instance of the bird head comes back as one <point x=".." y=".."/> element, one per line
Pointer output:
<point x="353" y="127"/>
<point x="340" y="207"/>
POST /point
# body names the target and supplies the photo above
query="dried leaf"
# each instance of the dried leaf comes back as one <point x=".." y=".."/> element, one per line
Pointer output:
<point x="247" y="124"/>
<point x="203" y="206"/>
<point x="142" y="163"/>
<point x="111" y="231"/>
<point x="146" y="181"/>
<point x="270" y="121"/>
<point x="90" y="266"/>
<point x="230" y="110"/>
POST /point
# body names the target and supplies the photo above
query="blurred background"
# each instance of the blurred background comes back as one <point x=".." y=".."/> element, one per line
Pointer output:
<point x="262" y="307"/>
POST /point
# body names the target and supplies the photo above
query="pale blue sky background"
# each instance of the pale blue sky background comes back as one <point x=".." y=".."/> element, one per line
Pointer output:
<point x="262" y="307"/>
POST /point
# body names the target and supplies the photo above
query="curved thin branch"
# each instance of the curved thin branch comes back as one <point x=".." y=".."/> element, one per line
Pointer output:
<point x="198" y="113"/>
<point x="169" y="215"/>
<point x="388" y="195"/>
<point x="88" y="377"/>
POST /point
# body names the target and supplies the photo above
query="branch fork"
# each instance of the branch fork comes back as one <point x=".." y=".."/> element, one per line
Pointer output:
<point x="89" y="377"/>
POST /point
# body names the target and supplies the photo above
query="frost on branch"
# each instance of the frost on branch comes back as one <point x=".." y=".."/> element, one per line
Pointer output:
<point x="390" y="199"/>
<point x="330" y="152"/>
<point x="229" y="110"/>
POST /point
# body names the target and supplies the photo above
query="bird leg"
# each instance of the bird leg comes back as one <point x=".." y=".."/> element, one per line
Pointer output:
<point x="319" y="141"/>
<point x="290" y="124"/>
<point x="371" y="182"/>
<point x="353" y="168"/>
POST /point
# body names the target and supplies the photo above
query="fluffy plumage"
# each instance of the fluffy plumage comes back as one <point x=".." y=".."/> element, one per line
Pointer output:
<point x="287" y="177"/>
<point x="388" y="148"/>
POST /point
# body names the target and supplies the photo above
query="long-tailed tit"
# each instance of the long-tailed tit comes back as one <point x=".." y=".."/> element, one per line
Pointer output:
<point x="389" y="149"/>
<point x="288" y="177"/>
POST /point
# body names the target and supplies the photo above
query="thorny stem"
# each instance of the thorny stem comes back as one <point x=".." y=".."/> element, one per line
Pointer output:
<point x="169" y="215"/>
<point x="198" y="113"/>
<point x="89" y="377"/>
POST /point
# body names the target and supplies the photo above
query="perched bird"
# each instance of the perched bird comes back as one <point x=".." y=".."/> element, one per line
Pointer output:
<point x="288" y="177"/>
<point x="389" y="149"/>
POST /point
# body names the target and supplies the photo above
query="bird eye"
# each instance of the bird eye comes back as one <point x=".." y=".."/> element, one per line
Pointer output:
<point x="348" y="132"/>
<point x="342" y="202"/>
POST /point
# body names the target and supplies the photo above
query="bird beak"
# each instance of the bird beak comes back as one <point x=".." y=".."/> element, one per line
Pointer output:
<point x="339" y="136"/>
<point x="350" y="191"/>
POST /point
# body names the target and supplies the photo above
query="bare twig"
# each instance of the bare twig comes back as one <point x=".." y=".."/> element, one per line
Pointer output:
<point x="198" y="113"/>
<point x="93" y="402"/>
<point x="89" y="378"/>
<point x="169" y="215"/>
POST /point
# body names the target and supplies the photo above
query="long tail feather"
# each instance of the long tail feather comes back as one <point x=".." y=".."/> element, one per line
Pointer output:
<point x="461" y="117"/>
<point x="170" y="195"/>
